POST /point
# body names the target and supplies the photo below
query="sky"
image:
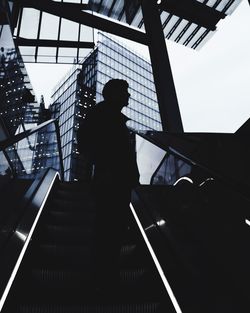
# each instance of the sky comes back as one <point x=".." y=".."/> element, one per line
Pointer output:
<point x="212" y="84"/>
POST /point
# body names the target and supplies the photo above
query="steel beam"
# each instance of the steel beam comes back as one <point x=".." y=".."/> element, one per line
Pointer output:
<point x="193" y="11"/>
<point x="163" y="78"/>
<point x="53" y="43"/>
<point x="74" y="13"/>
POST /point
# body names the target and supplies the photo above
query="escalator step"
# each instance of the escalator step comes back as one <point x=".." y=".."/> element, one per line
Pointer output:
<point x="62" y="234"/>
<point x="98" y="308"/>
<point x="127" y="250"/>
<point x="63" y="254"/>
<point x="72" y="196"/>
<point x="63" y="218"/>
<point x="68" y="205"/>
<point x="67" y="278"/>
<point x="61" y="278"/>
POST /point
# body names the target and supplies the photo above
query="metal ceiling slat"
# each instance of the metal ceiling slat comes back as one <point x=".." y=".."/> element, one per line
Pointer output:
<point x="182" y="32"/>
<point x="174" y="28"/>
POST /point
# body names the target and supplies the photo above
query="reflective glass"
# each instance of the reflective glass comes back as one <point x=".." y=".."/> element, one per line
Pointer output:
<point x="69" y="30"/>
<point x="49" y="26"/>
<point x="29" y="23"/>
<point x="46" y="59"/>
<point x="4" y="166"/>
<point x="86" y="33"/>
<point x="211" y="3"/>
<point x="31" y="155"/>
<point x="46" y="51"/>
<point x="149" y="157"/>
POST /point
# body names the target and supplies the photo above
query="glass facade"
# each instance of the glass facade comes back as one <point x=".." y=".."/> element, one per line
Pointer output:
<point x="116" y="61"/>
<point x="69" y="104"/>
<point x="19" y="110"/>
<point x="81" y="88"/>
<point x="32" y="155"/>
<point x="16" y="92"/>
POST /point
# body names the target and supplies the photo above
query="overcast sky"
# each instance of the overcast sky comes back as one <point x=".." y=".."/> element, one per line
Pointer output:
<point x="212" y="84"/>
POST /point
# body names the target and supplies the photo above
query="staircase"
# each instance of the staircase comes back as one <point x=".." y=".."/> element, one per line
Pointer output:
<point x="56" y="274"/>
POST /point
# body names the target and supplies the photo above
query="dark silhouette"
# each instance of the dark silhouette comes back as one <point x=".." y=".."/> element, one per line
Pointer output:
<point x="109" y="148"/>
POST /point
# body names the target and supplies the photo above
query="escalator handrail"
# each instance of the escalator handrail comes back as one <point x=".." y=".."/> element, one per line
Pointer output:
<point x="14" y="139"/>
<point x="230" y="182"/>
<point x="170" y="150"/>
<point x="13" y="250"/>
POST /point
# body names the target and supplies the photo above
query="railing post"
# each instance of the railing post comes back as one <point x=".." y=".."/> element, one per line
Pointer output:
<point x="59" y="148"/>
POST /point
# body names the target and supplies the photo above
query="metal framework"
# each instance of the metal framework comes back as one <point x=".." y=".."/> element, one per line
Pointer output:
<point x="186" y="21"/>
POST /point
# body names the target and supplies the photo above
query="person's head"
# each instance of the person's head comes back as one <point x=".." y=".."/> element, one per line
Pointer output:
<point x="116" y="91"/>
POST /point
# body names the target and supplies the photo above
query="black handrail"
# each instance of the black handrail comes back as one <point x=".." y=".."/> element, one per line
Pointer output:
<point x="14" y="139"/>
<point x="228" y="181"/>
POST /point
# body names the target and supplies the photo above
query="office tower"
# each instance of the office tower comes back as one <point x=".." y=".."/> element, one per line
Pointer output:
<point x="82" y="87"/>
<point x="113" y="60"/>
<point x="17" y="97"/>
<point x="70" y="102"/>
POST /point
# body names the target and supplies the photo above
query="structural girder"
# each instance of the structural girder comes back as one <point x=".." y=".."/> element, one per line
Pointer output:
<point x="193" y="11"/>
<point x="53" y="43"/>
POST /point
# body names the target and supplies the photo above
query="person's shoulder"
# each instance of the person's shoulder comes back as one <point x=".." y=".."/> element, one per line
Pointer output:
<point x="98" y="109"/>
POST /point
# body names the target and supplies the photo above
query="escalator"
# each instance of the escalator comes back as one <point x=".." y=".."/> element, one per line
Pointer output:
<point x="56" y="272"/>
<point x="185" y="247"/>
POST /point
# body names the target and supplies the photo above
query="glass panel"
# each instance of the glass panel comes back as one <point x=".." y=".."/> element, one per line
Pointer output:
<point x="179" y="28"/>
<point x="117" y="8"/>
<point x="69" y="30"/>
<point x="27" y="50"/>
<point x="170" y="171"/>
<point x="84" y="52"/>
<point x="66" y="60"/>
<point x="170" y="24"/>
<point x="196" y="36"/>
<point x="32" y="155"/>
<point x="4" y="166"/>
<point x="188" y="33"/>
<point x="27" y="58"/>
<point x="46" y="51"/>
<point x="221" y="5"/>
<point x="29" y="25"/>
<point x="46" y="59"/>
<point x="6" y="37"/>
<point x="137" y="18"/>
<point x="233" y="6"/>
<point x="211" y="3"/>
<point x="86" y="33"/>
<point x="149" y="157"/>
<point x="49" y="26"/>
<point x="73" y="1"/>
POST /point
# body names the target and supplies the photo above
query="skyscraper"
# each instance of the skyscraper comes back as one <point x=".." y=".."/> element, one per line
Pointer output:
<point x="111" y="59"/>
<point x="83" y="85"/>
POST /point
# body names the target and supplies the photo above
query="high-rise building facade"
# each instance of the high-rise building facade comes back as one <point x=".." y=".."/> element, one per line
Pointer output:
<point x="82" y="88"/>
<point x="19" y="110"/>
<point x="111" y="59"/>
<point x="69" y="103"/>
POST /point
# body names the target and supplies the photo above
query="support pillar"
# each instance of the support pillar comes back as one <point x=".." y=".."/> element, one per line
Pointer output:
<point x="164" y="83"/>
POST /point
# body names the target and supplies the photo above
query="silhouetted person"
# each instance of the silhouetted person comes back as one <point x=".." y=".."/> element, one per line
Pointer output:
<point x="105" y="142"/>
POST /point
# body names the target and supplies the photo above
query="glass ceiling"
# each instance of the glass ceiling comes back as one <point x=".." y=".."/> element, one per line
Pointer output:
<point x="44" y="37"/>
